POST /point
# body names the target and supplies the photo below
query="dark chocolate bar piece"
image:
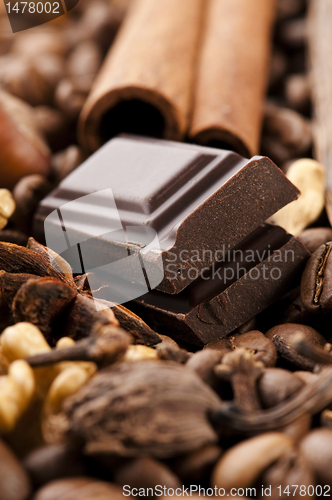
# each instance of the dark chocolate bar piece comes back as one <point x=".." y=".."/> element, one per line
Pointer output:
<point x="252" y="276"/>
<point x="154" y="200"/>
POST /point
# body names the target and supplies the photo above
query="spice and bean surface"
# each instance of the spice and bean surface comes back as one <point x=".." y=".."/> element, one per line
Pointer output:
<point x="102" y="403"/>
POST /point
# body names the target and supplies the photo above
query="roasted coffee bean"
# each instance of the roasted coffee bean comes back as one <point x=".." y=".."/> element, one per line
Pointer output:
<point x="262" y="347"/>
<point x="297" y="90"/>
<point x="223" y="346"/>
<point x="195" y="466"/>
<point x="82" y="488"/>
<point x="242" y="464"/>
<point x="316" y="283"/>
<point x="54" y="462"/>
<point x="316" y="448"/>
<point x="14" y="481"/>
<point x="276" y="385"/>
<point x="288" y="331"/>
<point x="28" y="192"/>
<point x="314" y="237"/>
<point x="145" y="473"/>
<point x="203" y="363"/>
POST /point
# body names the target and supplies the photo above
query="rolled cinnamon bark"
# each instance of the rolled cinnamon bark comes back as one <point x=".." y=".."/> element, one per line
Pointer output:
<point x="146" y="83"/>
<point x="232" y="74"/>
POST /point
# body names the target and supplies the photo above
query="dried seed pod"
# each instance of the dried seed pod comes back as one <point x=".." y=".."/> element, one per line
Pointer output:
<point x="242" y="465"/>
<point x="83" y="488"/>
<point x="52" y="462"/>
<point x="314" y="237"/>
<point x="145" y="473"/>
<point x="263" y="348"/>
<point x="196" y="465"/>
<point x="276" y="385"/>
<point x="16" y="392"/>
<point x="56" y="261"/>
<point x="27" y="193"/>
<point x="17" y="259"/>
<point x="133" y="324"/>
<point x="22" y="149"/>
<point x="316" y="282"/>
<point x="147" y="407"/>
<point x="7" y="207"/>
<point x="41" y="302"/>
<point x="83" y="318"/>
<point x="316" y="448"/>
<point x="14" y="481"/>
<point x="309" y="177"/>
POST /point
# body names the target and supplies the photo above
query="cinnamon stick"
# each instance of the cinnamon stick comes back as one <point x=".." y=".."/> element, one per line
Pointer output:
<point x="232" y="74"/>
<point x="145" y="85"/>
<point x="320" y="58"/>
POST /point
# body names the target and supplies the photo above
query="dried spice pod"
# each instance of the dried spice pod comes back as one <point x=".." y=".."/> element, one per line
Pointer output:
<point x="83" y="318"/>
<point x="57" y="262"/>
<point x="133" y="324"/>
<point x="316" y="282"/>
<point x="22" y="149"/>
<point x="84" y="488"/>
<point x="41" y="302"/>
<point x="17" y="259"/>
<point x="148" y="407"/>
<point x="309" y="177"/>
<point x="14" y="481"/>
<point x="145" y="83"/>
<point x="10" y="283"/>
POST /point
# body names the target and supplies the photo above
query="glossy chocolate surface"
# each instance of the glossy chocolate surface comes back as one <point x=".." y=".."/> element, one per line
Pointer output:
<point x="193" y="197"/>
